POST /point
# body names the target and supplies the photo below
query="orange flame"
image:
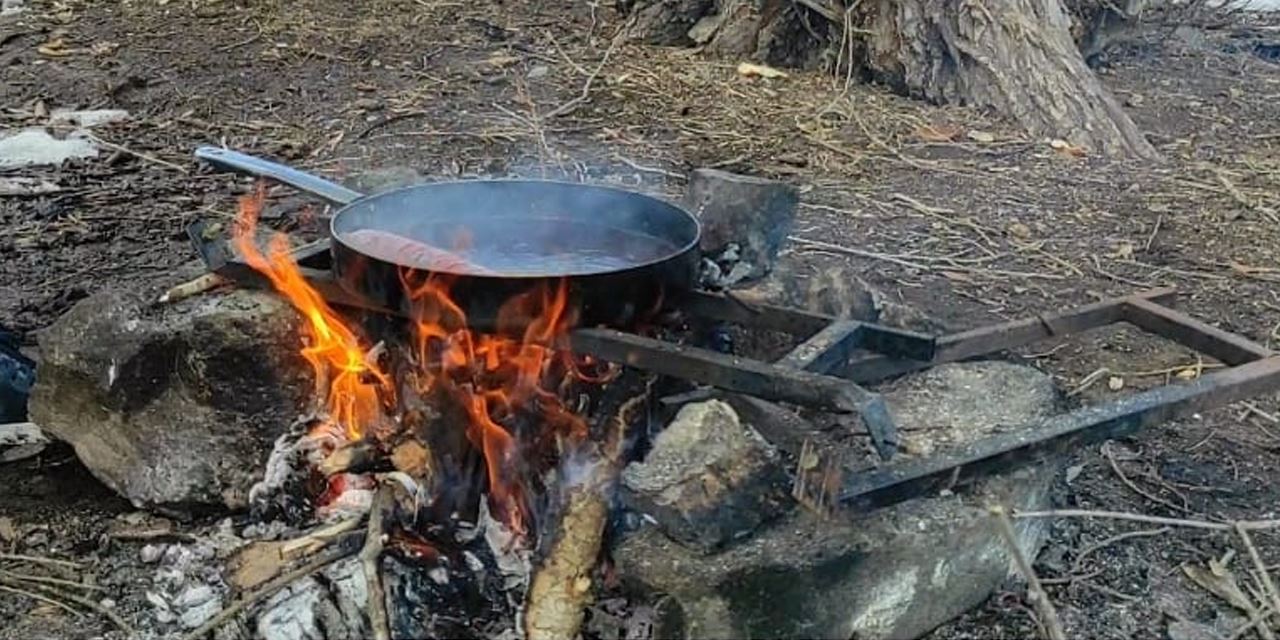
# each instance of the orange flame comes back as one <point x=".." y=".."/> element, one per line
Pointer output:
<point x="352" y="386"/>
<point x="495" y="377"/>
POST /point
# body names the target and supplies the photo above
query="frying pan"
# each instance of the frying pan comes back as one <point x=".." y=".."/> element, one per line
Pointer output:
<point x="620" y="252"/>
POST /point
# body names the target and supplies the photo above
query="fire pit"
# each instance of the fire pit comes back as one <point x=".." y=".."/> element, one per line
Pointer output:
<point x="456" y="476"/>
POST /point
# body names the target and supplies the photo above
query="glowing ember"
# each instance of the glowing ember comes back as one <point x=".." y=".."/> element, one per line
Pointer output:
<point x="496" y="378"/>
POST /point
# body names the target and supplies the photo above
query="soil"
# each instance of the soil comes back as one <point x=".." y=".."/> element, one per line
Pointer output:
<point x="948" y="209"/>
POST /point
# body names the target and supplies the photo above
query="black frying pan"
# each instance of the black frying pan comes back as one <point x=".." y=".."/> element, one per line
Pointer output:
<point x="620" y="252"/>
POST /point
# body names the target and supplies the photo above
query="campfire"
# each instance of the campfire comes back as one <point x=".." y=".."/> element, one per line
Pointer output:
<point x="438" y="429"/>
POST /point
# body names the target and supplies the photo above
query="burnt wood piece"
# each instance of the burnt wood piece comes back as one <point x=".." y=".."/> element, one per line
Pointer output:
<point x="743" y="375"/>
<point x="898" y="482"/>
<point x="1000" y="337"/>
<point x="1192" y="333"/>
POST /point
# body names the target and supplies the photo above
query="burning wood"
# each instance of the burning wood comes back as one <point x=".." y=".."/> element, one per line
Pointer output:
<point x="562" y="585"/>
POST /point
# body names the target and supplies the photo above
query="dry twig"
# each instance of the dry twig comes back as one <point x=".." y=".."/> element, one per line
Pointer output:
<point x="1039" y="599"/>
<point x="370" y="555"/>
<point x="266" y="591"/>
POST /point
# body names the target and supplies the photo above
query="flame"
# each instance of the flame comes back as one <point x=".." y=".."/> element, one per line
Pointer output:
<point x="346" y="377"/>
<point x="511" y="378"/>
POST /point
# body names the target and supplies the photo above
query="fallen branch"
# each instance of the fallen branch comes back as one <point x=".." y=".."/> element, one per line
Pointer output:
<point x="1039" y="599"/>
<point x="562" y="585"/>
<point x="1250" y="525"/>
<point x="193" y="287"/>
<point x="52" y="593"/>
<point x="370" y="555"/>
<point x="269" y="589"/>
<point x="1264" y="576"/>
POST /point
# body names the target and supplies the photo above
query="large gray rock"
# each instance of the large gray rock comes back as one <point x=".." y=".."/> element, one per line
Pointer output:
<point x="894" y="573"/>
<point x="173" y="406"/>
<point x="708" y="479"/>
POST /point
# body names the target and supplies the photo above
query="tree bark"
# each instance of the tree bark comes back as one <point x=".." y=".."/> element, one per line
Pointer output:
<point x="1016" y="57"/>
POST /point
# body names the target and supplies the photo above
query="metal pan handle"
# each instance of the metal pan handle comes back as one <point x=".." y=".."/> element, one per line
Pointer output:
<point x="245" y="164"/>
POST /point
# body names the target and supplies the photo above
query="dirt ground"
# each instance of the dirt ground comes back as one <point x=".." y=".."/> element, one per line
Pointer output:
<point x="948" y="209"/>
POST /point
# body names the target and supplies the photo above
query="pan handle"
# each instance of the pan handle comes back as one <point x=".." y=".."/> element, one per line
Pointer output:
<point x="243" y="163"/>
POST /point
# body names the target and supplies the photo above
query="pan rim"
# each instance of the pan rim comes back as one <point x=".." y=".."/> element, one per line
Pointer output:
<point x="681" y="250"/>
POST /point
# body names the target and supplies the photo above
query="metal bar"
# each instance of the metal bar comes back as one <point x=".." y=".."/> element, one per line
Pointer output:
<point x="742" y="375"/>
<point x="826" y="349"/>
<point x="756" y="316"/>
<point x="1001" y="337"/>
<point x="1192" y="333"/>
<point x="895" y="483"/>
<point x="898" y="343"/>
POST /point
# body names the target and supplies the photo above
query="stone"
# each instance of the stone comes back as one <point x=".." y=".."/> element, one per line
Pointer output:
<point x="173" y="406"/>
<point x="198" y="603"/>
<point x="755" y="214"/>
<point x="896" y="572"/>
<point x="12" y="7"/>
<point x="709" y="478"/>
<point x="36" y="147"/>
<point x="840" y="292"/>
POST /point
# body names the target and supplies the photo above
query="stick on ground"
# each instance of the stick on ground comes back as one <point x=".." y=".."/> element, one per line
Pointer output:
<point x="267" y="591"/>
<point x="1039" y="599"/>
<point x="369" y="559"/>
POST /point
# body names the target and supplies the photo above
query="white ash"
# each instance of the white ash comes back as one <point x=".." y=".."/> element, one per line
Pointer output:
<point x="188" y="585"/>
<point x="509" y="551"/>
<point x="308" y="610"/>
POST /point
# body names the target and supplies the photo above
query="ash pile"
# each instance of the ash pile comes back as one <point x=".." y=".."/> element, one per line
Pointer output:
<point x="449" y="482"/>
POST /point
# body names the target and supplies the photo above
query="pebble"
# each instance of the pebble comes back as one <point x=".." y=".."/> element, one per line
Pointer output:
<point x="200" y="603"/>
<point x="151" y="553"/>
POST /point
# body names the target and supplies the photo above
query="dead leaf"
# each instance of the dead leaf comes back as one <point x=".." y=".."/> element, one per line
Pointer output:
<point x="1020" y="231"/>
<point x="1190" y="373"/>
<point x="981" y="136"/>
<point x="501" y="60"/>
<point x="55" y="48"/>
<point x="1219" y="581"/>
<point x="8" y="532"/>
<point x="939" y="132"/>
<point x="751" y="70"/>
<point x="1067" y="149"/>
<point x="1123" y="250"/>
<point x="1115" y="383"/>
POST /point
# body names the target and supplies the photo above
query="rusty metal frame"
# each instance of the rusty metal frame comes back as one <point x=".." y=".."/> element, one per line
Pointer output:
<point x="1252" y="369"/>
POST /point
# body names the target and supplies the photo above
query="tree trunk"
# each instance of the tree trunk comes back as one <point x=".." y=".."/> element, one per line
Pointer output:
<point x="1016" y="57"/>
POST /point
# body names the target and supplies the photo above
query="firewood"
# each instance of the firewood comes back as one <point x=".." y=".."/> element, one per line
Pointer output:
<point x="352" y="457"/>
<point x="562" y="585"/>
<point x="194" y="287"/>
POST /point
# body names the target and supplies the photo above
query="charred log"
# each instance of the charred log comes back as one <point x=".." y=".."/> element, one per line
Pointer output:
<point x="562" y="585"/>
